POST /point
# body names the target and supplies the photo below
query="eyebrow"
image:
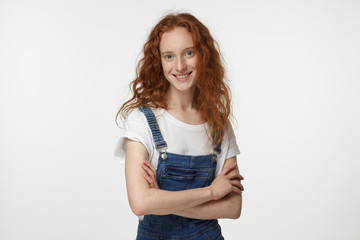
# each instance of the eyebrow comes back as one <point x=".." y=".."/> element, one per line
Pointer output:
<point x="184" y="50"/>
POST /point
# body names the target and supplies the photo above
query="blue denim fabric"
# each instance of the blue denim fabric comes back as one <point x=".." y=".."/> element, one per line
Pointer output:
<point x="150" y="117"/>
<point x="175" y="173"/>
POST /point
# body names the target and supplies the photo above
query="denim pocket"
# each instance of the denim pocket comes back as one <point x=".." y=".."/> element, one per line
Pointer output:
<point x="176" y="179"/>
<point x="186" y="174"/>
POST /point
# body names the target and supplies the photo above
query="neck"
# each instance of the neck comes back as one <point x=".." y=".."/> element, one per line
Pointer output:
<point x="180" y="100"/>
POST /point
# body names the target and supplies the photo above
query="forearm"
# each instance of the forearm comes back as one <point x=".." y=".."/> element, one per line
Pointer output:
<point x="145" y="200"/>
<point x="227" y="207"/>
<point x="161" y="202"/>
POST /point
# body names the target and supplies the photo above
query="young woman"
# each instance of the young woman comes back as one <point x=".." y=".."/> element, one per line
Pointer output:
<point x="178" y="145"/>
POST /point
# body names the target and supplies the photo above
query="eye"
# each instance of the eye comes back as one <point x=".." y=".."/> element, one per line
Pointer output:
<point x="189" y="53"/>
<point x="168" y="57"/>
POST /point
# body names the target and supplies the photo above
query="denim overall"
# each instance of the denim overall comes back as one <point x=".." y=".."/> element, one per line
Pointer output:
<point x="177" y="172"/>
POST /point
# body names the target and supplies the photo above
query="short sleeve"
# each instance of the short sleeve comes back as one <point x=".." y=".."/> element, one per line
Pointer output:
<point x="229" y="149"/>
<point x="136" y="129"/>
<point x="233" y="148"/>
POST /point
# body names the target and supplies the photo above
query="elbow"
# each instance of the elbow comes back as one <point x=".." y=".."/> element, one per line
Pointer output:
<point x="138" y="211"/>
<point x="236" y="207"/>
<point x="236" y="214"/>
<point x="138" y="208"/>
<point x="142" y="203"/>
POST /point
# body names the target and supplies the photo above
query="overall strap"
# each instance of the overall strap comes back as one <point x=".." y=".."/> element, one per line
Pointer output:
<point x="216" y="152"/>
<point x="155" y="130"/>
<point x="218" y="148"/>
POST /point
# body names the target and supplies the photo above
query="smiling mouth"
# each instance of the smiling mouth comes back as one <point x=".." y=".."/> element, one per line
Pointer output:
<point x="182" y="76"/>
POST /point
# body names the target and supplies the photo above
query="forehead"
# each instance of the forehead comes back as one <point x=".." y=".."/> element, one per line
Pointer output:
<point x="177" y="39"/>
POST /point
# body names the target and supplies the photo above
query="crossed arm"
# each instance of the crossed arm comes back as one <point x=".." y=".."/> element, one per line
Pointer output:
<point x="222" y="199"/>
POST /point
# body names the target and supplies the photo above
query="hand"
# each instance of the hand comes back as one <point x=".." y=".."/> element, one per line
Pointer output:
<point x="150" y="174"/>
<point x="229" y="180"/>
<point x="241" y="186"/>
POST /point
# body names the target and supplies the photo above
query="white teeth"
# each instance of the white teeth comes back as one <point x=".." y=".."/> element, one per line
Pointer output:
<point x="182" y="76"/>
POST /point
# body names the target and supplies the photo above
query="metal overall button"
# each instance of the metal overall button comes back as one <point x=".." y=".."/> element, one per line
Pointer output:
<point x="163" y="155"/>
<point x="215" y="156"/>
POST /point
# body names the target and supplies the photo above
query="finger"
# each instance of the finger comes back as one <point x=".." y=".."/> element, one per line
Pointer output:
<point x="147" y="178"/>
<point x="147" y="170"/>
<point x="236" y="190"/>
<point x="237" y="184"/>
<point x="151" y="176"/>
<point x="234" y="175"/>
<point x="150" y="181"/>
<point x="151" y="166"/>
<point x="241" y="187"/>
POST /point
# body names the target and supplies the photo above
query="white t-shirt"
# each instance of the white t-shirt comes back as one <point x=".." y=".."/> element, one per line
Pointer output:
<point x="181" y="138"/>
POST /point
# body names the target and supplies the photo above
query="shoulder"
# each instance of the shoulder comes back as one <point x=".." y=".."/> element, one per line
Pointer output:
<point x="135" y="116"/>
<point x="136" y="129"/>
<point x="138" y="120"/>
<point x="136" y="123"/>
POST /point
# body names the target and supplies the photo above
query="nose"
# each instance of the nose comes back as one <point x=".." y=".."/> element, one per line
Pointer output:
<point x="180" y="64"/>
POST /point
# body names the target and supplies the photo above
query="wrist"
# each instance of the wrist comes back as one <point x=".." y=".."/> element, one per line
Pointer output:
<point x="211" y="193"/>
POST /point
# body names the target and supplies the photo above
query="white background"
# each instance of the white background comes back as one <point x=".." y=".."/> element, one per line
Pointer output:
<point x="294" y="72"/>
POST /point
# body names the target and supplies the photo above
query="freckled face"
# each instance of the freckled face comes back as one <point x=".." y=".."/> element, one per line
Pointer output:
<point x="178" y="59"/>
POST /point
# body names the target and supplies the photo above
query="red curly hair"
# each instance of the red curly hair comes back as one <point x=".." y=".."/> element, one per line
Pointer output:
<point x="212" y="95"/>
